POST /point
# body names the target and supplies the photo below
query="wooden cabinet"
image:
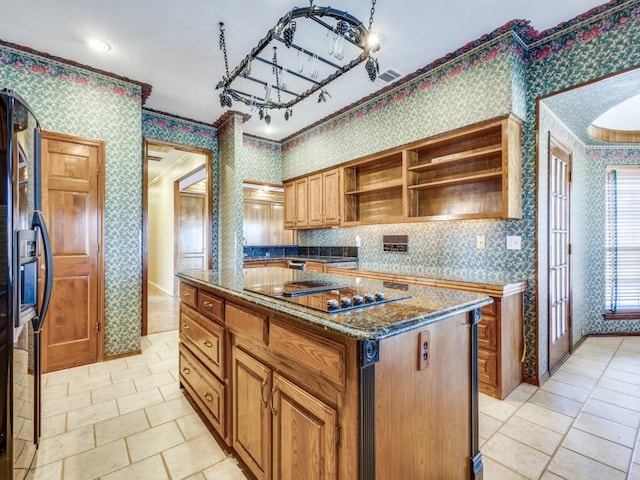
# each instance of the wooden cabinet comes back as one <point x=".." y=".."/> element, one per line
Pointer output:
<point x="305" y="402"/>
<point x="374" y="190"/>
<point x="500" y="343"/>
<point x="280" y="430"/>
<point x="313" y="201"/>
<point x="324" y="199"/>
<point x="296" y="201"/>
<point x="264" y="219"/>
<point x="251" y="414"/>
<point x="473" y="172"/>
<point x="500" y="331"/>
<point x="203" y="352"/>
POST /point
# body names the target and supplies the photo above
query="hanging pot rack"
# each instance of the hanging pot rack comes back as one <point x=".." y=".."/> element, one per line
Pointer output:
<point x="276" y="93"/>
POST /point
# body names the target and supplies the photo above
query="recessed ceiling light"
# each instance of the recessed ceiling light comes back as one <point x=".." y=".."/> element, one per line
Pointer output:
<point x="99" y="45"/>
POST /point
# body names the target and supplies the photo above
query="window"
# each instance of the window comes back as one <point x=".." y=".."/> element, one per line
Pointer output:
<point x="622" y="271"/>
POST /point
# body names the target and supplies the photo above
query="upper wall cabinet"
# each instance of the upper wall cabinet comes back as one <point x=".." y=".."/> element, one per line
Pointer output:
<point x="469" y="173"/>
<point x="313" y="201"/>
<point x="472" y="172"/>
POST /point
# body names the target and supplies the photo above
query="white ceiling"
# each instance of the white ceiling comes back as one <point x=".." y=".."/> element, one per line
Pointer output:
<point x="174" y="45"/>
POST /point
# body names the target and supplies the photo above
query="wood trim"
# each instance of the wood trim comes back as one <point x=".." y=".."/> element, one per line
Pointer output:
<point x="613" y="136"/>
<point x="100" y="146"/>
<point x="123" y="355"/>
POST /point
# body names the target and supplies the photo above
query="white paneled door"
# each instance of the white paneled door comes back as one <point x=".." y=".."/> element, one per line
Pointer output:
<point x="559" y="254"/>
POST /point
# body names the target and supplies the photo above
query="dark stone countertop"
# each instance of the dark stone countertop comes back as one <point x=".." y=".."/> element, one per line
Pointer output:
<point x="426" y="305"/>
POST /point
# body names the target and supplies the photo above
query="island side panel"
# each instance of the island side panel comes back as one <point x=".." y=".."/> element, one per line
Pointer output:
<point x="423" y="422"/>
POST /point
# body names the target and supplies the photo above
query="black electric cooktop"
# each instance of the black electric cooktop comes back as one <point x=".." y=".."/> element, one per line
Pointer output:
<point x="327" y="296"/>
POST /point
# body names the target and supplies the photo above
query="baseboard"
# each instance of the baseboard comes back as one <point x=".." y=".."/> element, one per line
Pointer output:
<point x="160" y="288"/>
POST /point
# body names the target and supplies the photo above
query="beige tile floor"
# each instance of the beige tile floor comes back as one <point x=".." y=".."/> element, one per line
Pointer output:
<point x="127" y="419"/>
<point x="162" y="310"/>
<point x="581" y="424"/>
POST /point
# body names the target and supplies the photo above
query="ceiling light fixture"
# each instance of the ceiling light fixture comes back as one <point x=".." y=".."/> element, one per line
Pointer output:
<point x="99" y="45"/>
<point x="266" y="83"/>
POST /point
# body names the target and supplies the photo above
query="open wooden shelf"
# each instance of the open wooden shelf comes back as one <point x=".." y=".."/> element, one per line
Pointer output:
<point x="381" y="188"/>
<point x="447" y="160"/>
<point x="456" y="180"/>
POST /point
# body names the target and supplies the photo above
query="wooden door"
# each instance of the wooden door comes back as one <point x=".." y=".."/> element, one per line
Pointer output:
<point x="256" y="223"/>
<point x="191" y="232"/>
<point x="304" y="434"/>
<point x="559" y="251"/>
<point x="301" y="202"/>
<point x="316" y="213"/>
<point x="251" y="414"/>
<point x="72" y="203"/>
<point x="280" y="236"/>
<point x="331" y="197"/>
<point x="290" y="205"/>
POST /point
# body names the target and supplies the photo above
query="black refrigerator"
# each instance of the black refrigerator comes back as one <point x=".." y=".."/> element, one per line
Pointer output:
<point x="26" y="278"/>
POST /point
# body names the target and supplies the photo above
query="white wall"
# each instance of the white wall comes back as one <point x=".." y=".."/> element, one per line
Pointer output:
<point x="160" y="266"/>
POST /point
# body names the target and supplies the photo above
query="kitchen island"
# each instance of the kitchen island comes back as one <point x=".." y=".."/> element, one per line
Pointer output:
<point x="384" y="389"/>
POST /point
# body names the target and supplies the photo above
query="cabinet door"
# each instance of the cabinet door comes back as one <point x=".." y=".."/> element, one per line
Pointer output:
<point x="304" y="434"/>
<point x="256" y="223"/>
<point x="316" y="213"/>
<point x="331" y="197"/>
<point x="251" y="413"/>
<point x="290" y="205"/>
<point x="301" y="202"/>
<point x="278" y="234"/>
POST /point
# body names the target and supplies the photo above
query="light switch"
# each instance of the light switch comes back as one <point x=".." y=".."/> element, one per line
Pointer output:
<point x="514" y="242"/>
<point x="480" y="244"/>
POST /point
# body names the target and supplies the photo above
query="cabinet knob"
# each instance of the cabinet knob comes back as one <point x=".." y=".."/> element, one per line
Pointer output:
<point x="186" y="371"/>
<point x="185" y="326"/>
<point x="185" y="294"/>
<point x="208" y="304"/>
<point x="208" y="397"/>
<point x="208" y="344"/>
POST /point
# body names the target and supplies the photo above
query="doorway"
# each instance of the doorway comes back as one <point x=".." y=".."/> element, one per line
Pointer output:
<point x="171" y="173"/>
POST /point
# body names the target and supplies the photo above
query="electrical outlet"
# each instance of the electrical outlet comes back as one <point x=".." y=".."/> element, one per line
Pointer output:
<point x="514" y="242"/>
<point x="480" y="243"/>
<point x="424" y="349"/>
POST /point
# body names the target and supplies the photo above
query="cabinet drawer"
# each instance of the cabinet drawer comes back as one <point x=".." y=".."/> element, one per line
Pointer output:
<point x="205" y="389"/>
<point x="189" y="295"/>
<point x="246" y="323"/>
<point x="206" y="336"/>
<point x="211" y="306"/>
<point x="318" y="354"/>
<point x="487" y="334"/>
<point x="487" y="367"/>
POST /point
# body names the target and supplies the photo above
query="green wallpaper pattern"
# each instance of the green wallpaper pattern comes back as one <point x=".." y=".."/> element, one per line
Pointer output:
<point x="72" y="101"/>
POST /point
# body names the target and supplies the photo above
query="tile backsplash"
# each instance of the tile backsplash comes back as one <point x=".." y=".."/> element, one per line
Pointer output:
<point x="282" y="251"/>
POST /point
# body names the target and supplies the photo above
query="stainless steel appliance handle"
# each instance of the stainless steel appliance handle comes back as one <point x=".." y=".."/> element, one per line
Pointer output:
<point x="39" y="224"/>
<point x="297" y="265"/>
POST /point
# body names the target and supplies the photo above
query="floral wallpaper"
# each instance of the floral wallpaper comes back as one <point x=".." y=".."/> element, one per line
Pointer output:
<point x="77" y="102"/>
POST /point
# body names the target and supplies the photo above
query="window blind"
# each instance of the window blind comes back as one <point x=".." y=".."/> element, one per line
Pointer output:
<point x="622" y="272"/>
